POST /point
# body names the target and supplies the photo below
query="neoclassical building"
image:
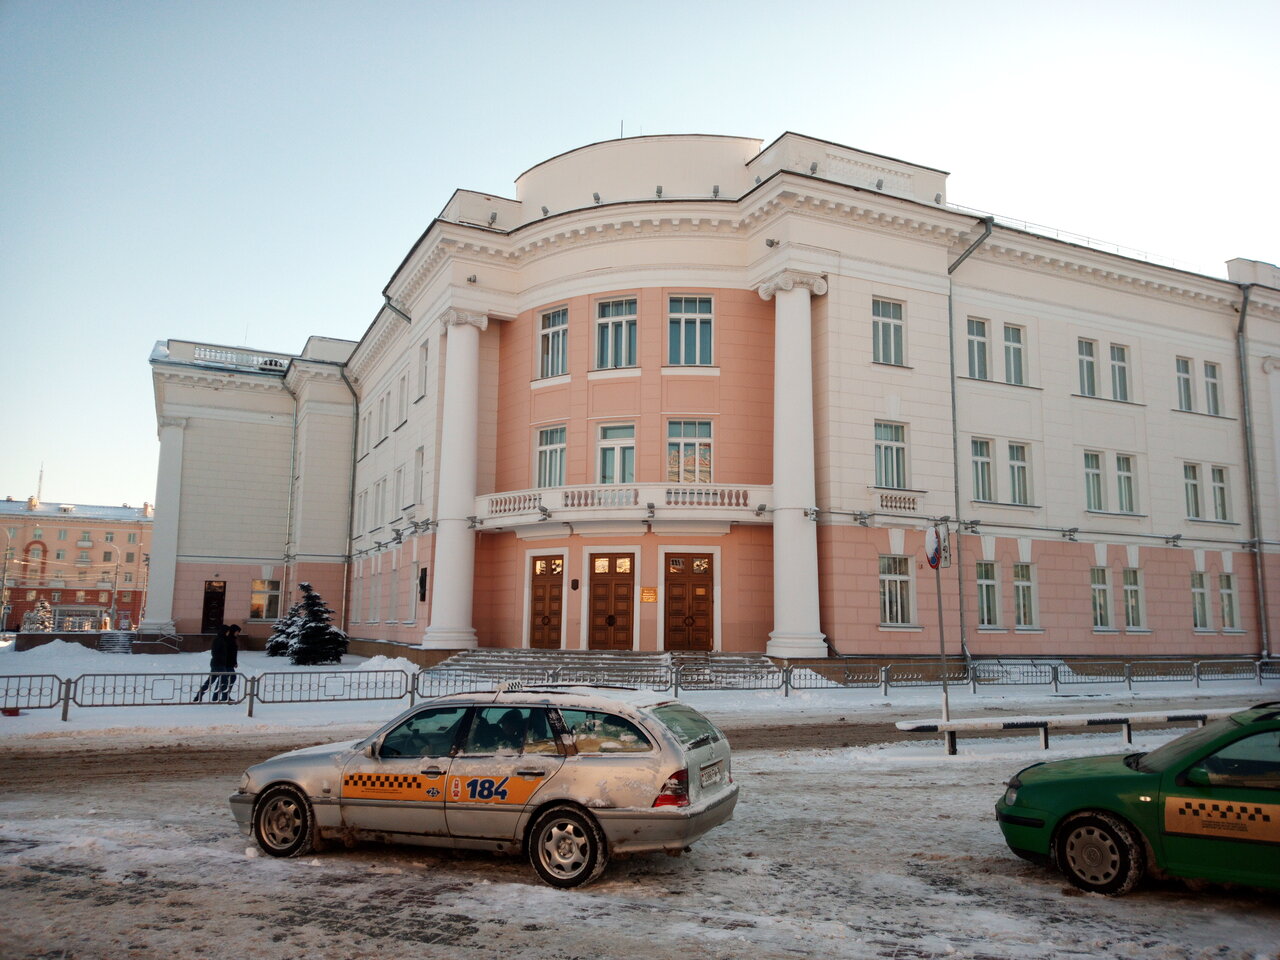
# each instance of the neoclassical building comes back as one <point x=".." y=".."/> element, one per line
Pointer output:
<point x="700" y="393"/>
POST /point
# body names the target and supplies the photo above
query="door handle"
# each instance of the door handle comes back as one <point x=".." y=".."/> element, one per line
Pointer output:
<point x="531" y="773"/>
<point x="433" y="772"/>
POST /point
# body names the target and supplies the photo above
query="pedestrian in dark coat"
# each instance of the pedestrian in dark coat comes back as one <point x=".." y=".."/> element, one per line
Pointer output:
<point x="222" y="663"/>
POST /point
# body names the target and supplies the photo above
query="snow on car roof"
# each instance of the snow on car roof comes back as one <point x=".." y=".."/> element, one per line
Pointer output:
<point x="581" y="696"/>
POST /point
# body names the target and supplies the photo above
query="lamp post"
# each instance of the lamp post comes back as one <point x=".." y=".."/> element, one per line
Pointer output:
<point x="4" y="581"/>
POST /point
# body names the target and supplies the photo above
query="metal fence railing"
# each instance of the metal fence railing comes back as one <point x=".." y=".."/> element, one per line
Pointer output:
<point x="47" y="691"/>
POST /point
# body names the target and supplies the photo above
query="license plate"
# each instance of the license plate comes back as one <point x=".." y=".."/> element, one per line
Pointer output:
<point x="712" y="775"/>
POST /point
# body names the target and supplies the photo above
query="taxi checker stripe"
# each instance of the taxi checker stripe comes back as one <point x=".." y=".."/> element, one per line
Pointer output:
<point x="380" y="780"/>
<point x="1223" y="811"/>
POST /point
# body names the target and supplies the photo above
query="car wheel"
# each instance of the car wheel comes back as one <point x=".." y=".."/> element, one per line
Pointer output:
<point x="283" y="823"/>
<point x="1100" y="853"/>
<point x="567" y="848"/>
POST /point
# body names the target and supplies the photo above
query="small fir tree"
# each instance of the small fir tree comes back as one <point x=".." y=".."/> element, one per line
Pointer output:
<point x="285" y="632"/>
<point x="316" y="640"/>
<point x="43" y="617"/>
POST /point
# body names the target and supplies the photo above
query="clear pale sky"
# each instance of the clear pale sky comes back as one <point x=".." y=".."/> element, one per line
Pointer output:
<point x="250" y="173"/>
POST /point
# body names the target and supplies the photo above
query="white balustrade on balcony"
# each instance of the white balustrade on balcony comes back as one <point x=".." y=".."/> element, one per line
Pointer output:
<point x="704" y="500"/>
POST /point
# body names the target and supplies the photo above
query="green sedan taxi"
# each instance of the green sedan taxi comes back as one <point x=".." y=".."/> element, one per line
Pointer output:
<point x="1205" y="806"/>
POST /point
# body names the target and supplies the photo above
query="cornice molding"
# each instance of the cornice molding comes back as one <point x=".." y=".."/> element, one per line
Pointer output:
<point x="221" y="380"/>
<point x="385" y="330"/>
<point x="788" y="279"/>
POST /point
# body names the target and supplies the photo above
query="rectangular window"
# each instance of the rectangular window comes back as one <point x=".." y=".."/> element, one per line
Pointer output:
<point x="424" y="367"/>
<point x="978" y="349"/>
<point x="1227" y="598"/>
<point x="618" y="454"/>
<point x="62" y="534"/>
<point x="57" y="554"/>
<point x="264" y="600"/>
<point x="1019" y="478"/>
<point x="981" y="469"/>
<point x="129" y="557"/>
<point x="1191" y="489"/>
<point x="988" y="608"/>
<point x="1212" y="393"/>
<point x="895" y="590"/>
<point x="109" y="536"/>
<point x="107" y="556"/>
<point x="397" y="491"/>
<point x="1199" y="602"/>
<point x="551" y="447"/>
<point x="384" y="416"/>
<point x="1119" y="372"/>
<point x="1101" y="595"/>
<point x="689" y="451"/>
<point x="886" y="332"/>
<point x="891" y="456"/>
<point x="689" y="331"/>
<point x="402" y="399"/>
<point x="1093" y="499"/>
<point x="1126" y="502"/>
<point x="1185" y="400"/>
<point x="128" y="578"/>
<point x="1218" y="491"/>
<point x="1014" y="372"/>
<point x="615" y="334"/>
<point x="132" y="538"/>
<point x="1132" y="585"/>
<point x="1085" y="360"/>
<point x="553" y="344"/>
<point x="1024" y="599"/>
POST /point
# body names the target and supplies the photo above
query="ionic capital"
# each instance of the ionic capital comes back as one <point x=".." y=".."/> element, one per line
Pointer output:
<point x="458" y="318"/>
<point x="1270" y="364"/>
<point x="179" y="422"/>
<point x="789" y="279"/>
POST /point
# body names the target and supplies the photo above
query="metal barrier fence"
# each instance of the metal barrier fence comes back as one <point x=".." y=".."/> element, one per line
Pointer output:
<point x="47" y="691"/>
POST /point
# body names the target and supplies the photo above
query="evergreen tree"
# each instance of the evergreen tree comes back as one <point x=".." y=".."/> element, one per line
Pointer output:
<point x="317" y="640"/>
<point x="43" y="617"/>
<point x="285" y="632"/>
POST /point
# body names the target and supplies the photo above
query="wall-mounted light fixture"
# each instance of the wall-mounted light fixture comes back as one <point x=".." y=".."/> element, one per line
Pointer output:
<point x="771" y="242"/>
<point x="545" y="211"/>
<point x="813" y="167"/>
<point x="760" y="509"/>
<point x="649" y="507"/>
<point x="715" y="190"/>
<point x="1070" y="534"/>
<point x="546" y="514"/>
<point x="492" y="217"/>
<point x="1172" y="541"/>
<point x="880" y="184"/>
<point x="471" y="279"/>
<point x="659" y="191"/>
<point x="595" y="197"/>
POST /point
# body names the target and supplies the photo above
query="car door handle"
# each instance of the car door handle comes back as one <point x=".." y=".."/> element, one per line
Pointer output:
<point x="531" y="773"/>
<point x="433" y="772"/>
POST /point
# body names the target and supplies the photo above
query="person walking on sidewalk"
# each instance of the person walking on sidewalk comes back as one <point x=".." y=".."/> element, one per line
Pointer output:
<point x="222" y="664"/>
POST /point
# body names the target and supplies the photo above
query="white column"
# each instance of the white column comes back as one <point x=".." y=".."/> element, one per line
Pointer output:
<point x="162" y="569"/>
<point x="455" y="541"/>
<point x="796" y="621"/>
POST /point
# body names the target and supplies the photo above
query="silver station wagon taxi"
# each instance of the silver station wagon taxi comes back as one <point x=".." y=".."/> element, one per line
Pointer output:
<point x="569" y="775"/>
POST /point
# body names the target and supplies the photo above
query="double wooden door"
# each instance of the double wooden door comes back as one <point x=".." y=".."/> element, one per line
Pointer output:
<point x="690" y="602"/>
<point x="546" y="602"/>
<point x="613" y="594"/>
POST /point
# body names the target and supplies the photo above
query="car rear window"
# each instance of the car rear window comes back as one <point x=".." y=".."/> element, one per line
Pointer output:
<point x="687" y="723"/>
<point x="596" y="732"/>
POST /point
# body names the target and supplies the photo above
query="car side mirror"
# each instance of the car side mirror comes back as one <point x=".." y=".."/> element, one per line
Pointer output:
<point x="1197" y="777"/>
<point x="371" y="749"/>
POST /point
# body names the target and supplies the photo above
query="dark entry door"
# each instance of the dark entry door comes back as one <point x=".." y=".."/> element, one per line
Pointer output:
<point x="689" y="608"/>
<point x="546" y="602"/>
<point x="215" y="601"/>
<point x="612" y="600"/>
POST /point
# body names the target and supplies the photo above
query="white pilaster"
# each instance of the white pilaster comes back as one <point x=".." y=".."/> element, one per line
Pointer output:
<point x="796" y="621"/>
<point x="162" y="568"/>
<point x="455" y="540"/>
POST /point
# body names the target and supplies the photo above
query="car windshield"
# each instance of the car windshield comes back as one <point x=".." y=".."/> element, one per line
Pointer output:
<point x="1176" y="752"/>
<point x="687" y="724"/>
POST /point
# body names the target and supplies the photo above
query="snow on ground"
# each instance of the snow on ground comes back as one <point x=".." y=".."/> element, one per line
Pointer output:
<point x="888" y="851"/>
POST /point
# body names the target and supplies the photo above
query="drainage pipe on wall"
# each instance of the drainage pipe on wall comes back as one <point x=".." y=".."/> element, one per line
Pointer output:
<point x="987" y="223"/>
<point x="1251" y="474"/>
<point x="351" y="495"/>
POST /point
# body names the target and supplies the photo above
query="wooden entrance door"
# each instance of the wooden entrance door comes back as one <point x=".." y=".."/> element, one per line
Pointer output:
<point x="546" y="602"/>
<point x="215" y="600"/>
<point x="612" y="601"/>
<point x="690" y="602"/>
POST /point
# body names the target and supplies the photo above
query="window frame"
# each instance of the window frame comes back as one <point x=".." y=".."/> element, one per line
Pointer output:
<point x="1184" y="388"/>
<point x="1200" y="612"/>
<point x="1126" y="486"/>
<point x="1120" y="372"/>
<point x="888" y="332"/>
<point x="261" y="597"/>
<point x="891" y="452"/>
<point x="978" y="348"/>
<point x="701" y="444"/>
<point x="551" y="453"/>
<point x="1025" y="614"/>
<point x="617" y="446"/>
<point x="1132" y="600"/>
<point x="616" y="334"/>
<point x="1015" y="355"/>
<point x="988" y="594"/>
<point x="1212" y="388"/>
<point x="1100" y="598"/>
<point x="1192" y="501"/>
<point x="1220" y="493"/>
<point x="1094" y="491"/>
<point x="896" y="591"/>
<point x="1087" y="366"/>
<point x="1228" y="601"/>
<point x="982" y="479"/>
<point x="553" y="343"/>
<point x="702" y="338"/>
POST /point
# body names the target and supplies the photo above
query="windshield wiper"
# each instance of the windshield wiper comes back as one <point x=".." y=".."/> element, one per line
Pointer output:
<point x="701" y="741"/>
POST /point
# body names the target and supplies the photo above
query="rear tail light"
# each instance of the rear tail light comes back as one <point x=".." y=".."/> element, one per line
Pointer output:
<point x="675" y="792"/>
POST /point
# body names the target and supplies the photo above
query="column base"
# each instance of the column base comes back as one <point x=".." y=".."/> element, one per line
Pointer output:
<point x="795" y="646"/>
<point x="449" y="638"/>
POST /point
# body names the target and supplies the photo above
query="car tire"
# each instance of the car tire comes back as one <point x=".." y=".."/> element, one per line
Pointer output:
<point x="567" y="847"/>
<point x="1100" y="853"/>
<point x="283" y="823"/>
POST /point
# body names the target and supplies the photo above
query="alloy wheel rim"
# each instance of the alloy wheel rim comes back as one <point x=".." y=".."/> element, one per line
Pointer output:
<point x="564" y="848"/>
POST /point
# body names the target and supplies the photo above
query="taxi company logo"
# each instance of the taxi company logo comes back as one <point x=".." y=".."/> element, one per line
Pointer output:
<point x="433" y="792"/>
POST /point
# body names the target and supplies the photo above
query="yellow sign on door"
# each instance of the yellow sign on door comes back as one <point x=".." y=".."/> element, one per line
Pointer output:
<point x="648" y="594"/>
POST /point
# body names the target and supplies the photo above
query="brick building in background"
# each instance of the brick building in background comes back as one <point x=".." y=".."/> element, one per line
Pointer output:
<point x="88" y="561"/>
<point x="695" y="392"/>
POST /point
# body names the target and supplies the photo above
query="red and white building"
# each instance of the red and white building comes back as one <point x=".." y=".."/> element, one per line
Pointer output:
<point x="696" y="392"/>
<point x="88" y="562"/>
